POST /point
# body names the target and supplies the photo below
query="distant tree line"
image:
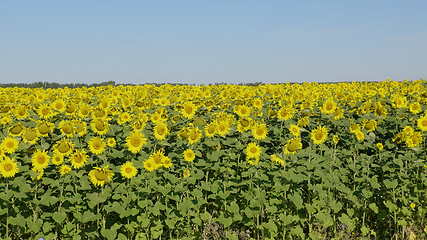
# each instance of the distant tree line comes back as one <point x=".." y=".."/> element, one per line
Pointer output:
<point x="108" y="83"/>
<point x="113" y="83"/>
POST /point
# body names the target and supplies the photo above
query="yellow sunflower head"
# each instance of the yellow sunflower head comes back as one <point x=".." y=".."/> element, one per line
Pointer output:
<point x="8" y="167"/>
<point x="97" y="145"/>
<point x="128" y="170"/>
<point x="189" y="155"/>
<point x="100" y="176"/>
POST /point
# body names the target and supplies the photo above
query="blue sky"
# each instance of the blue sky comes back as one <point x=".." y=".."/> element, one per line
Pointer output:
<point x="207" y="41"/>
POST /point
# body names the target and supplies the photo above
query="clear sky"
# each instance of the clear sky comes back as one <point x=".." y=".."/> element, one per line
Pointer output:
<point x="207" y="41"/>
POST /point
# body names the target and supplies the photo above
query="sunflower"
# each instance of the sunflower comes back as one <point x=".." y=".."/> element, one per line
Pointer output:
<point x="242" y="110"/>
<point x="111" y="142"/>
<point x="57" y="158"/>
<point x="303" y="122"/>
<point x="285" y="113"/>
<point x="222" y="128"/>
<point x="414" y="139"/>
<point x="166" y="162"/>
<point x="40" y="160"/>
<point x="415" y="107"/>
<point x="135" y="141"/>
<point x="66" y="128"/>
<point x="422" y="123"/>
<point x="276" y="159"/>
<point x="360" y="136"/>
<point x="244" y="124"/>
<point x="124" y="117"/>
<point x="59" y="105"/>
<point x="253" y="151"/>
<point x="328" y="107"/>
<point x="78" y="159"/>
<point x="96" y="145"/>
<point x="161" y="131"/>
<point x="8" y="167"/>
<point x="44" y="128"/>
<point x="157" y="158"/>
<point x="399" y="101"/>
<point x="149" y="165"/>
<point x="189" y="155"/>
<point x="84" y="110"/>
<point x="188" y="110"/>
<point x="9" y="145"/>
<point x="379" y="146"/>
<point x="193" y="135"/>
<point x="100" y="126"/>
<point x="45" y="112"/>
<point x="210" y="130"/>
<point x="16" y="129"/>
<point x="156" y="117"/>
<point x="292" y="146"/>
<point x="128" y="170"/>
<point x="370" y="125"/>
<point x="64" y="169"/>
<point x="100" y="176"/>
<point x="37" y="174"/>
<point x="64" y="147"/>
<point x="295" y="130"/>
<point x="259" y="131"/>
<point x="71" y="109"/>
<point x="335" y="139"/>
<point x="21" y="112"/>
<point x="186" y="173"/>
<point x="138" y="125"/>
<point x="319" y="135"/>
<point x="80" y="128"/>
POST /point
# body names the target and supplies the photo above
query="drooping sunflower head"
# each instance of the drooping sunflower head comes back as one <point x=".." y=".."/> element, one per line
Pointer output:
<point x="16" y="129"/>
<point x="100" y="176"/>
<point x="292" y="146"/>
<point x="44" y="128"/>
<point x="64" y="147"/>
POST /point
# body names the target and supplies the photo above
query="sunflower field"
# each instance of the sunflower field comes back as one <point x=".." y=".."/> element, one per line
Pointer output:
<point x="273" y="161"/>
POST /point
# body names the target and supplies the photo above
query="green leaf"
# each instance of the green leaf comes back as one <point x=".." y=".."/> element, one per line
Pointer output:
<point x="296" y="200"/>
<point x="297" y="231"/>
<point x="390" y="184"/>
<point x="325" y="219"/>
<point x="59" y="217"/>
<point x="350" y="223"/>
<point x="373" y="207"/>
